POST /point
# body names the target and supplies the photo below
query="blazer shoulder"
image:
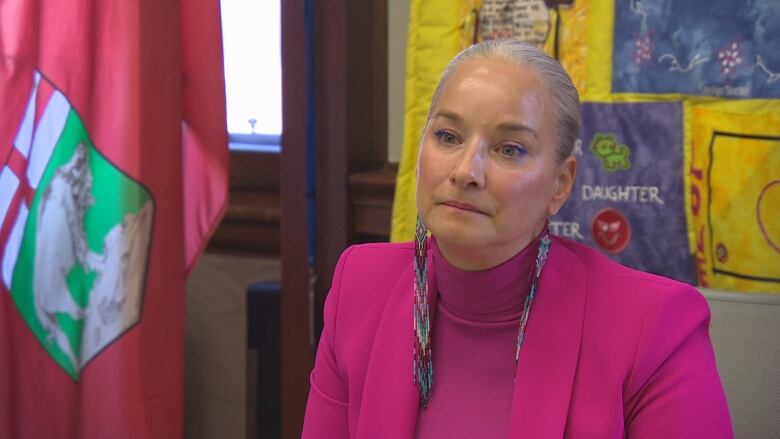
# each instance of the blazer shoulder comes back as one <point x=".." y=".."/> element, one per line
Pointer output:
<point x="375" y="259"/>
<point x="381" y="249"/>
<point x="648" y="315"/>
<point x="367" y="274"/>
<point x="599" y="266"/>
<point x="366" y="279"/>
<point x="637" y="291"/>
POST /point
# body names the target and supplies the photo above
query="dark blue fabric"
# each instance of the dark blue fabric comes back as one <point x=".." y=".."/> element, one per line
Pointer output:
<point x="311" y="134"/>
<point x="665" y="46"/>
<point x="653" y="135"/>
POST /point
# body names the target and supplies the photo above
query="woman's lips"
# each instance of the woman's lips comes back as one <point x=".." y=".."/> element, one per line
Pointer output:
<point x="462" y="206"/>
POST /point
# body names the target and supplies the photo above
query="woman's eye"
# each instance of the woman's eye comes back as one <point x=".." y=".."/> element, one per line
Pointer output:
<point x="512" y="150"/>
<point x="446" y="137"/>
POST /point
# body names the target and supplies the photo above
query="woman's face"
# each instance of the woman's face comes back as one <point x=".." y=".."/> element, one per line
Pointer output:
<point x="487" y="170"/>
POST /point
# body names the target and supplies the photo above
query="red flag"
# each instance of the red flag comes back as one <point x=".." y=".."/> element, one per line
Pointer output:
<point x="113" y="172"/>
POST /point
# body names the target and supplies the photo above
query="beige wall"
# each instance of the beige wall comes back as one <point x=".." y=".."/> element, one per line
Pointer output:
<point x="397" y="19"/>
<point x="216" y="384"/>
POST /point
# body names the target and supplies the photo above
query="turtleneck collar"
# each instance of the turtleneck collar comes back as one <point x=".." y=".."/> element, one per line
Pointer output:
<point x="494" y="295"/>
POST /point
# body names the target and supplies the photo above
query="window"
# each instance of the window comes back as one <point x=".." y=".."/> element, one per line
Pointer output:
<point x="251" y="38"/>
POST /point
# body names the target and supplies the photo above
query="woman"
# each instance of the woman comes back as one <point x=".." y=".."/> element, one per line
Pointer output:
<point x="491" y="328"/>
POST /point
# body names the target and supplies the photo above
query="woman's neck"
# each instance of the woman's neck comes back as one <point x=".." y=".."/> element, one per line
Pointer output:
<point x="492" y="295"/>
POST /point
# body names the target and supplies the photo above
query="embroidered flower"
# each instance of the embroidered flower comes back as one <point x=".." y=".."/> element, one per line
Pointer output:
<point x="643" y="48"/>
<point x="729" y="58"/>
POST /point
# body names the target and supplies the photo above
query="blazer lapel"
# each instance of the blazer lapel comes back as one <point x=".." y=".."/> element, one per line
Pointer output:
<point x="390" y="398"/>
<point x="550" y="351"/>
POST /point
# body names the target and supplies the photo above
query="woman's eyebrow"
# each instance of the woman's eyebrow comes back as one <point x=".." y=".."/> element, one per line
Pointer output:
<point x="513" y="126"/>
<point x="449" y="115"/>
<point x="504" y="126"/>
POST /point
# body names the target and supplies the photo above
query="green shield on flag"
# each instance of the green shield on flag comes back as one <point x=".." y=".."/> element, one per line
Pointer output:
<point x="81" y="267"/>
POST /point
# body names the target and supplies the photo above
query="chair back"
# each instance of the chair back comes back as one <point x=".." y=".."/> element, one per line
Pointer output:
<point x="745" y="333"/>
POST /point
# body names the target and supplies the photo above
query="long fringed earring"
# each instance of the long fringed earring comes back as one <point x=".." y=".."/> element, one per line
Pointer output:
<point x="423" y="364"/>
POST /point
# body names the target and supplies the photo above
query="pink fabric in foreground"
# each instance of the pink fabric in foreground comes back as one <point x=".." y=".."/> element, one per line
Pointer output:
<point x="610" y="352"/>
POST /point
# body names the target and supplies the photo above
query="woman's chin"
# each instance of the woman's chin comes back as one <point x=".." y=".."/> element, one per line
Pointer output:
<point x="456" y="235"/>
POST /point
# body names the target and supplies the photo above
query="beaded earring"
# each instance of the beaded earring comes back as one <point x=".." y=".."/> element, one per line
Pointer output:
<point x="541" y="258"/>
<point x="423" y="366"/>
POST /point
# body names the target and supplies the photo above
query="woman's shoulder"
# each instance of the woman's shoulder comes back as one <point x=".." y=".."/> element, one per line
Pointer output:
<point x="372" y="270"/>
<point x="375" y="256"/>
<point x="382" y="248"/>
<point x="599" y="265"/>
<point x="643" y="317"/>
<point x="369" y="281"/>
<point x="607" y="277"/>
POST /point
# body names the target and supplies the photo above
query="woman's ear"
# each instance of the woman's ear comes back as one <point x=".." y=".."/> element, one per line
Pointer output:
<point x="565" y="173"/>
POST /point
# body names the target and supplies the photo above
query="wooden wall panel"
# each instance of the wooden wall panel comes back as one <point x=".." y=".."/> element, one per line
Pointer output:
<point x="351" y="103"/>
<point x="297" y="355"/>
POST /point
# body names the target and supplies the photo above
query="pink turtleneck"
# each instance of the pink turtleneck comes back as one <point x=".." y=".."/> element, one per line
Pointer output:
<point x="474" y="339"/>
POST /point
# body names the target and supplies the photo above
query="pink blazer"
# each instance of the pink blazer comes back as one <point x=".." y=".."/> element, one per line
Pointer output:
<point x="610" y="352"/>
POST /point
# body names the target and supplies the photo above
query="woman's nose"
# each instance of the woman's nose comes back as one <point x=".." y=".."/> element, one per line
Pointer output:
<point x="469" y="170"/>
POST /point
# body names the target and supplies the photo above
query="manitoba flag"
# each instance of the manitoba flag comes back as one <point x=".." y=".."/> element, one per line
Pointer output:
<point x="76" y="231"/>
<point x="113" y="165"/>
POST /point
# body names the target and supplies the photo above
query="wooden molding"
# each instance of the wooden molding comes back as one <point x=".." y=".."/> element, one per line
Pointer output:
<point x="254" y="170"/>
<point x="372" y="203"/>
<point x="250" y="224"/>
